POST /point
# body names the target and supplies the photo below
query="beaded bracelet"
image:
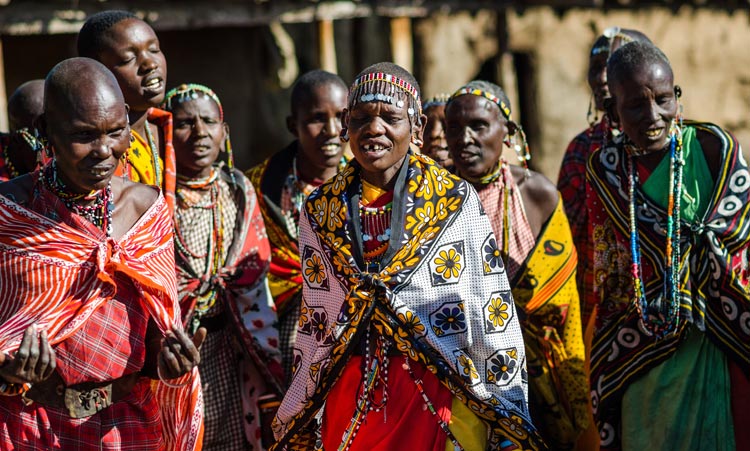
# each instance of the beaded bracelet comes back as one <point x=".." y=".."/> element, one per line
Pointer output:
<point x="10" y="389"/>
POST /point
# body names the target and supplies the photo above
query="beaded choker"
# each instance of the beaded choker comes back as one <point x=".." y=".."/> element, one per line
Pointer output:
<point x="99" y="205"/>
<point x="656" y="317"/>
<point x="376" y="228"/>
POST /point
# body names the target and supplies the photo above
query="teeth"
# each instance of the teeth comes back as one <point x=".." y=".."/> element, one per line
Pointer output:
<point x="373" y="147"/>
<point x="153" y="82"/>
<point x="653" y="133"/>
<point x="330" y="147"/>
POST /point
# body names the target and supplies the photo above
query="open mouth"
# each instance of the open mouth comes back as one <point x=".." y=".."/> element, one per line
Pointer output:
<point x="654" y="133"/>
<point x="155" y="84"/>
<point x="101" y="172"/>
<point x="330" y="149"/>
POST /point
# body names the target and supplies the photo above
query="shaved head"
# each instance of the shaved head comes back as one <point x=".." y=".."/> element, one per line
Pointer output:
<point x="26" y="104"/>
<point x="78" y="84"/>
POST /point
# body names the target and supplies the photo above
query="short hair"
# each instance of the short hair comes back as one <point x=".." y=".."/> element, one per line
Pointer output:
<point x="309" y="81"/>
<point x="635" y="54"/>
<point x="26" y="103"/>
<point x="603" y="43"/>
<point x="91" y="37"/>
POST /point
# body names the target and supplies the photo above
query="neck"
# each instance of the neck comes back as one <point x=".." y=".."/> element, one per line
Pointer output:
<point x="138" y="121"/>
<point x="384" y="180"/>
<point x="309" y="172"/>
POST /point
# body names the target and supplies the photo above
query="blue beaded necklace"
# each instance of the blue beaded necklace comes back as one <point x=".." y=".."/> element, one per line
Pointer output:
<point x="658" y="319"/>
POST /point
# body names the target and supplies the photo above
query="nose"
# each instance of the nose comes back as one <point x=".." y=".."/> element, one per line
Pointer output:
<point x="332" y="127"/>
<point x="199" y="128"/>
<point x="466" y="137"/>
<point x="601" y="77"/>
<point x="653" y="111"/>
<point x="437" y="131"/>
<point x="375" y="127"/>
<point x="148" y="63"/>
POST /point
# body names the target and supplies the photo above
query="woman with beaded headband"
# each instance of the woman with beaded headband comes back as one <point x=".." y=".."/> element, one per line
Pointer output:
<point x="283" y="182"/>
<point x="572" y="178"/>
<point x="222" y="256"/>
<point x="397" y="347"/>
<point x="668" y="205"/>
<point x="435" y="145"/>
<point x="92" y="350"/>
<point x="534" y="244"/>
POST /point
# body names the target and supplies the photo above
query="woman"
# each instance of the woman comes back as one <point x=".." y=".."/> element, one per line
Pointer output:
<point x="88" y="303"/>
<point x="434" y="131"/>
<point x="222" y="256"/>
<point x="407" y="329"/>
<point x="572" y="178"/>
<point x="283" y="182"/>
<point x="535" y="243"/>
<point x="667" y="203"/>
<point x="129" y="47"/>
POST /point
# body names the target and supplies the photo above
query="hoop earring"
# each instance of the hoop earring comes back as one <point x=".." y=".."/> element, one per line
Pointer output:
<point x="522" y="150"/>
<point x="417" y="142"/>
<point x="344" y="135"/>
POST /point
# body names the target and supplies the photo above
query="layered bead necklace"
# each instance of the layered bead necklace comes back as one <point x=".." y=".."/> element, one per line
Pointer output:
<point x="189" y="194"/>
<point x="99" y="205"/>
<point x="375" y="218"/>
<point x="658" y="319"/>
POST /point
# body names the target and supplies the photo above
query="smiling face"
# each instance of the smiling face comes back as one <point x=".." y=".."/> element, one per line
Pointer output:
<point x="597" y="78"/>
<point x="379" y="135"/>
<point x="131" y="51"/>
<point x="435" y="144"/>
<point x="317" y="125"/>
<point x="475" y="135"/>
<point x="645" y="105"/>
<point x="88" y="132"/>
<point x="198" y="135"/>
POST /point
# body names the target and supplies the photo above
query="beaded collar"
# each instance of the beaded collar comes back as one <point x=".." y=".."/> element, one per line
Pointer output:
<point x="99" y="205"/>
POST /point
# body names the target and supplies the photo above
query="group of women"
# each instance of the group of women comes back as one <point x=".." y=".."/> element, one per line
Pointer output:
<point x="419" y="292"/>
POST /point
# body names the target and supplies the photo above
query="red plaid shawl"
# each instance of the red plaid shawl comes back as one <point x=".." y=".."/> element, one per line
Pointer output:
<point x="57" y="274"/>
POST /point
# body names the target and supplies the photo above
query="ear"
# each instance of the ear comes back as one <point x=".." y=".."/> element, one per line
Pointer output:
<point x="417" y="129"/>
<point x="40" y="124"/>
<point x="610" y="104"/>
<point x="677" y="91"/>
<point x="512" y="127"/>
<point x="291" y="125"/>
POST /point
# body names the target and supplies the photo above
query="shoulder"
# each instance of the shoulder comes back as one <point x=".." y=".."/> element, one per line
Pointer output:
<point x="19" y="189"/>
<point x="135" y="197"/>
<point x="535" y="188"/>
<point x="713" y="140"/>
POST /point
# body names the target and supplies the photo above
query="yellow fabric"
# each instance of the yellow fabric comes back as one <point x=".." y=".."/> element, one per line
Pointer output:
<point x="371" y="192"/>
<point x="469" y="430"/>
<point x="558" y="378"/>
<point x="140" y="162"/>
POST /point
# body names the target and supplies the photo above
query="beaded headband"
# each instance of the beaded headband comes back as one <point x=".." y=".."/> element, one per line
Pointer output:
<point x="374" y="77"/>
<point x="190" y="92"/>
<point x="487" y="95"/>
<point x="437" y="100"/>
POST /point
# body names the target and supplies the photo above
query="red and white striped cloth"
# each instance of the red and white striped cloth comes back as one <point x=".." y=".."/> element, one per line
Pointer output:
<point x="57" y="273"/>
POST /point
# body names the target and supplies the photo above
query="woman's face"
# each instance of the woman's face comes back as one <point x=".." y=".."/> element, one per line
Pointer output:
<point x="88" y="139"/>
<point x="435" y="144"/>
<point x="475" y="134"/>
<point x="597" y="78"/>
<point x="645" y="105"/>
<point x="379" y="135"/>
<point x="133" y="54"/>
<point x="198" y="135"/>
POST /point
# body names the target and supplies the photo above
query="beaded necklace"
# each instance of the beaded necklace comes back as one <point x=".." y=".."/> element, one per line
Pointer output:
<point x="154" y="153"/>
<point x="376" y="231"/>
<point x="189" y="192"/>
<point x="499" y="175"/>
<point x="99" y="205"/>
<point x="654" y="317"/>
<point x="12" y="171"/>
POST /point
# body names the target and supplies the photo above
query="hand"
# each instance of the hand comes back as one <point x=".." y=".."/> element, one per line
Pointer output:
<point x="33" y="362"/>
<point x="179" y="354"/>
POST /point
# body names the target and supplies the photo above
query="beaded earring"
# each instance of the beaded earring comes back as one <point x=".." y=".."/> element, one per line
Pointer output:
<point x="344" y="135"/>
<point x="417" y="142"/>
<point x="521" y="149"/>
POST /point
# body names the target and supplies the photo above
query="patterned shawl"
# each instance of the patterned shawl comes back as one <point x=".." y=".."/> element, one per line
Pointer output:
<point x="242" y="275"/>
<point x="546" y="296"/>
<point x="140" y="158"/>
<point x="713" y="275"/>
<point x="442" y="296"/>
<point x="56" y="275"/>
<point x="285" y="276"/>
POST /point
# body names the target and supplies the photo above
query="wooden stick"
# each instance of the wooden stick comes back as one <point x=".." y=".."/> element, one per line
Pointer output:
<point x="402" y="46"/>
<point x="326" y="46"/>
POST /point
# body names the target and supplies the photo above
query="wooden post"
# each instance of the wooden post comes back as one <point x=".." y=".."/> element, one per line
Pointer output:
<point x="327" y="46"/>
<point x="402" y="46"/>
<point x="3" y="97"/>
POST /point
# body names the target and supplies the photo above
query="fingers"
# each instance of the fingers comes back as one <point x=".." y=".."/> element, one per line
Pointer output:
<point x="47" y="361"/>
<point x="22" y="354"/>
<point x="179" y="353"/>
<point x="189" y="349"/>
<point x="198" y="338"/>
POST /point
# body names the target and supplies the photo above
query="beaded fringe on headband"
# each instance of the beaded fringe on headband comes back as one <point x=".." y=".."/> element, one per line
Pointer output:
<point x="381" y="87"/>
<point x="466" y="90"/>
<point x="436" y="100"/>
